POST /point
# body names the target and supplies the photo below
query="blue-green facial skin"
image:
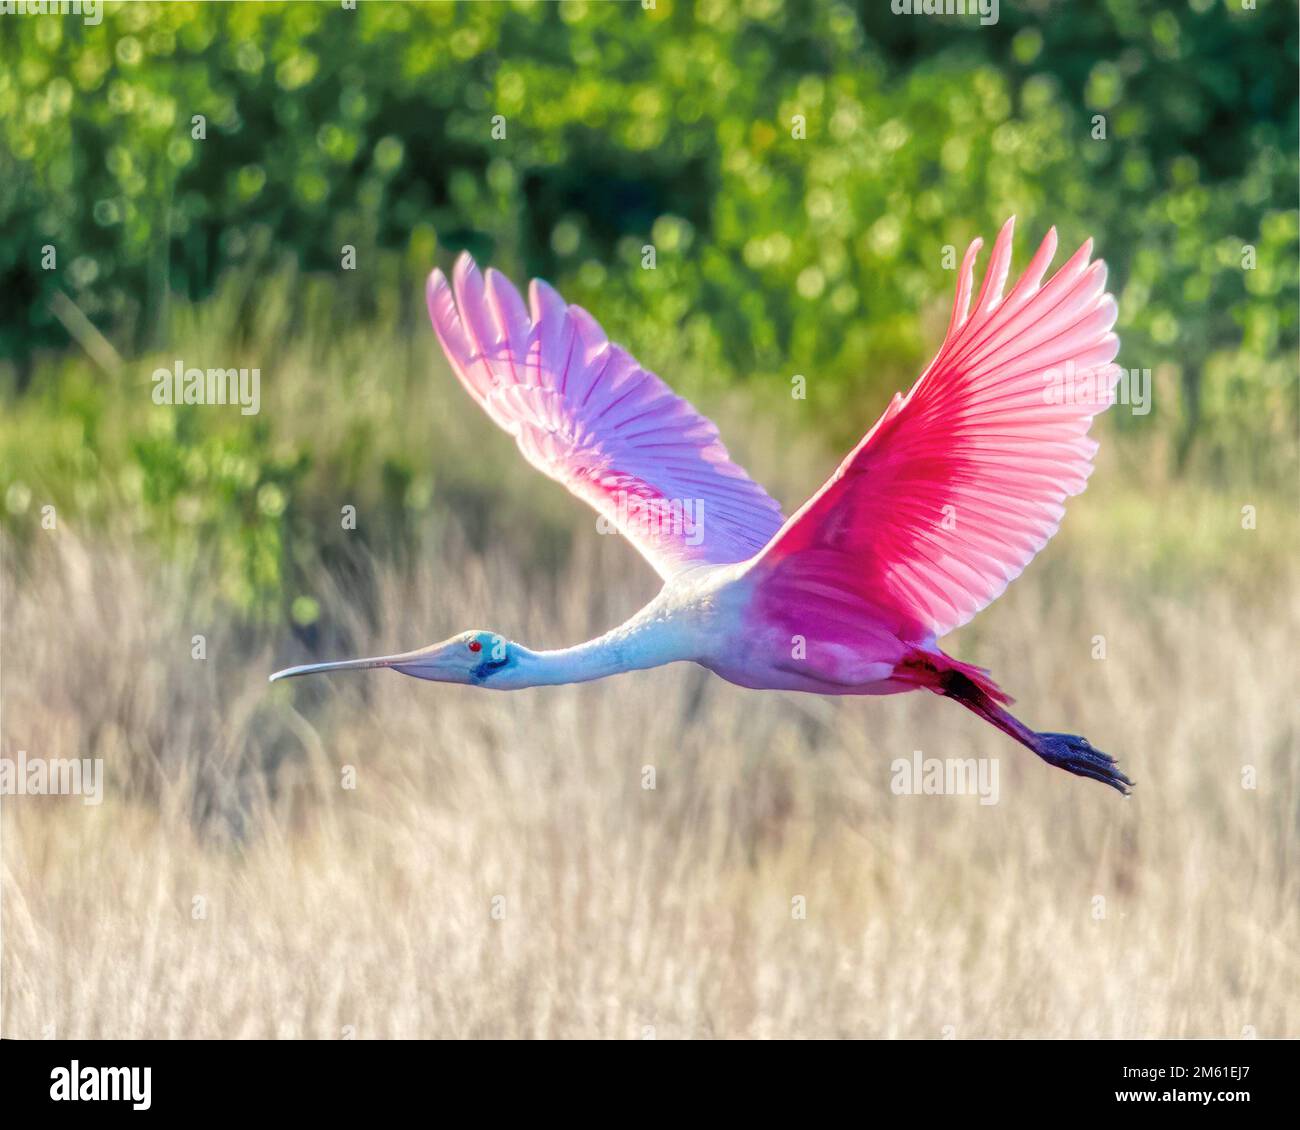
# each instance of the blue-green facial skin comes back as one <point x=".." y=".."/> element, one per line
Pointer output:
<point x="496" y="657"/>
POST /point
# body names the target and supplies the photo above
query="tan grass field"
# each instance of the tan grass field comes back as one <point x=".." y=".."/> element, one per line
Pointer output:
<point x="500" y="870"/>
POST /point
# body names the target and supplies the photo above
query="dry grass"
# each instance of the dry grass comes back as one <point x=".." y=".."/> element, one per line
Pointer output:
<point x="370" y="910"/>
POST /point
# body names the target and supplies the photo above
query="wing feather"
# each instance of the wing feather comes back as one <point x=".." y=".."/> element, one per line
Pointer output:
<point x="963" y="481"/>
<point x="585" y="413"/>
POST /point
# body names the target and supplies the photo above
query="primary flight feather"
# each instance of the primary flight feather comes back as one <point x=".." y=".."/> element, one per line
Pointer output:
<point x="942" y="504"/>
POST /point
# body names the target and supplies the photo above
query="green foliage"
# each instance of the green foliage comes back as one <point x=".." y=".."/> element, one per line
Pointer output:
<point x="799" y="168"/>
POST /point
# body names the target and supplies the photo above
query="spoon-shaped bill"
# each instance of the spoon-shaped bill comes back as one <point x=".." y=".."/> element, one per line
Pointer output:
<point x="438" y="661"/>
<point x="337" y="665"/>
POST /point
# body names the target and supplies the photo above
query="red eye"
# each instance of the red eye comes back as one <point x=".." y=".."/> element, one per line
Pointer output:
<point x="474" y="645"/>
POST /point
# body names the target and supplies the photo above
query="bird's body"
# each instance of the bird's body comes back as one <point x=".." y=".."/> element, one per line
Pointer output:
<point x="927" y="520"/>
<point x="701" y="616"/>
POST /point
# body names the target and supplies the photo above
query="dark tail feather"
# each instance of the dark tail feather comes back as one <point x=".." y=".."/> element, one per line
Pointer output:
<point x="975" y="690"/>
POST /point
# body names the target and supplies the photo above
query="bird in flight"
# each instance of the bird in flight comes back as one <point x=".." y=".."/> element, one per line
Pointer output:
<point x="944" y="501"/>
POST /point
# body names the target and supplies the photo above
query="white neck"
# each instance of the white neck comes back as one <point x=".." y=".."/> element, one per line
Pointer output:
<point x="633" y="646"/>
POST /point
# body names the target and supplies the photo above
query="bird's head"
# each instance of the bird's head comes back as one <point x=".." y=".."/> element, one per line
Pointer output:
<point x="470" y="658"/>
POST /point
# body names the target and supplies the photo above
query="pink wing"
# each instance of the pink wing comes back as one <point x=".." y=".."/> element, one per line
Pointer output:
<point x="585" y="413"/>
<point x="961" y="482"/>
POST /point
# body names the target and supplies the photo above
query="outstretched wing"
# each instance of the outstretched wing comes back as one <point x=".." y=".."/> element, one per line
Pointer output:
<point x="961" y="482"/>
<point x="585" y="413"/>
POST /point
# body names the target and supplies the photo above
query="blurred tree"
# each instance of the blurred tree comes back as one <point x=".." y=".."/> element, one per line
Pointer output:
<point x="798" y="167"/>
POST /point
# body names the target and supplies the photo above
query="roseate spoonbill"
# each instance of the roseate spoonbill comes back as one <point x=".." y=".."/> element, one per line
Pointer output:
<point x="946" y="500"/>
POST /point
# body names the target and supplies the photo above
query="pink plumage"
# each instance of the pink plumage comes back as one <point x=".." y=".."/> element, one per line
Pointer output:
<point x="585" y="413"/>
<point x="943" y="503"/>
<point x="961" y="482"/>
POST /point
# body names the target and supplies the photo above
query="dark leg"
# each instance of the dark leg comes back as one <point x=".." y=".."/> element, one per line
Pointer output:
<point x="1073" y="754"/>
<point x="1066" y="751"/>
